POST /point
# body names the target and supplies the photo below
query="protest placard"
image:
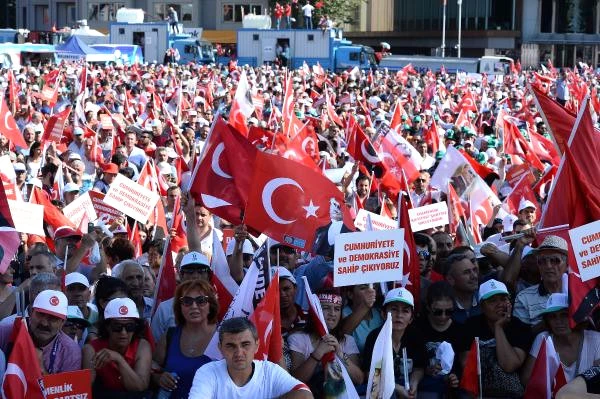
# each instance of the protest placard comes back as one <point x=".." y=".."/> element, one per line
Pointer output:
<point x="368" y="257"/>
<point x="27" y="217"/>
<point x="71" y="384"/>
<point x="586" y="246"/>
<point x="227" y="237"/>
<point x="105" y="213"/>
<point x="80" y="207"/>
<point x="428" y="216"/>
<point x="131" y="198"/>
<point x="377" y="221"/>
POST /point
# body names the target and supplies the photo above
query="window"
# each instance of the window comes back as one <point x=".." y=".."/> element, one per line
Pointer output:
<point x="354" y="56"/>
<point x="236" y="12"/>
<point x="184" y="11"/>
<point x="103" y="12"/>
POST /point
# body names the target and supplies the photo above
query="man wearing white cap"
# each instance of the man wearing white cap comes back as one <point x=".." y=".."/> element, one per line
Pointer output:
<point x="503" y="342"/>
<point x="77" y="145"/>
<point x="527" y="211"/>
<point x="70" y="192"/>
<point x="48" y="313"/>
<point x="78" y="293"/>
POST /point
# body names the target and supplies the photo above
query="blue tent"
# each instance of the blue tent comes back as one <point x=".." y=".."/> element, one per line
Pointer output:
<point x="75" y="49"/>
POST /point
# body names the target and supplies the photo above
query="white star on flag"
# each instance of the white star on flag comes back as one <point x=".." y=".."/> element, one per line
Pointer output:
<point x="406" y="280"/>
<point x="311" y="209"/>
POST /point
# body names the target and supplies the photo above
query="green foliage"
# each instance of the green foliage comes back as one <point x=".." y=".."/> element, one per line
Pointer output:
<point x="340" y="11"/>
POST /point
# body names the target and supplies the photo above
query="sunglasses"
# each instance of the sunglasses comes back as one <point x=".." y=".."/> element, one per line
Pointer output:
<point x="70" y="324"/>
<point x="421" y="180"/>
<point x="189" y="301"/>
<point x="553" y="260"/>
<point x="188" y="271"/>
<point x="442" y="312"/>
<point x="118" y="327"/>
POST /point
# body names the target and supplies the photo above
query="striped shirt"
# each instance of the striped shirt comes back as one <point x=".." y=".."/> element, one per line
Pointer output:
<point x="530" y="303"/>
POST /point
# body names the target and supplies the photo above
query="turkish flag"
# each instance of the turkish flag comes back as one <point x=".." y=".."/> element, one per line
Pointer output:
<point x="467" y="103"/>
<point x="267" y="319"/>
<point x="548" y="375"/>
<point x="260" y="137"/>
<point x="152" y="181"/>
<point x="522" y="190"/>
<point x="289" y="202"/>
<point x="463" y="120"/>
<point x="180" y="240"/>
<point x="432" y="137"/>
<point x="165" y="281"/>
<point x="515" y="144"/>
<point x="237" y="118"/>
<point x="456" y="212"/>
<point x="56" y="125"/>
<point x="399" y="156"/>
<point x="134" y="236"/>
<point x="23" y="371"/>
<point x="412" y="278"/>
<point x="333" y="116"/>
<point x="359" y="145"/>
<point x="8" y="126"/>
<point x="399" y="111"/>
<point x="470" y="378"/>
<point x="544" y="148"/>
<point x="560" y="121"/>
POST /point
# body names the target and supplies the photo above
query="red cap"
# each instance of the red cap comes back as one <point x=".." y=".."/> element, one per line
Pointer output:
<point x="66" y="231"/>
<point x="110" y="168"/>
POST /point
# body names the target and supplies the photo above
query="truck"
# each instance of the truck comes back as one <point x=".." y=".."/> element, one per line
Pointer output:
<point x="326" y="47"/>
<point x="154" y="38"/>
<point x="491" y="65"/>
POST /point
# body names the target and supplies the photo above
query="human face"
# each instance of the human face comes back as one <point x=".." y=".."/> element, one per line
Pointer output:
<point x="171" y="197"/>
<point x="527" y="215"/>
<point x="194" y="272"/>
<point x="192" y="311"/>
<point x="440" y="312"/>
<point x="77" y="295"/>
<point x="202" y="217"/>
<point x="120" y="331"/>
<point x="424" y="260"/>
<point x="284" y="256"/>
<point x="145" y="140"/>
<point x="402" y="315"/>
<point x="558" y="322"/>
<point x="44" y="327"/>
<point x="287" y="293"/>
<point x="109" y="178"/>
<point x="496" y="307"/>
<point x="133" y="276"/>
<point x="73" y="329"/>
<point x="423" y="149"/>
<point x="552" y="265"/>
<point x="362" y="189"/>
<point x="239" y="350"/>
<point x="443" y="244"/>
<point x="130" y="140"/>
<point x="71" y="196"/>
<point x="154" y="257"/>
<point x="421" y="183"/>
<point x="41" y="264"/>
<point x="332" y="313"/>
<point x="464" y="275"/>
<point x="161" y="156"/>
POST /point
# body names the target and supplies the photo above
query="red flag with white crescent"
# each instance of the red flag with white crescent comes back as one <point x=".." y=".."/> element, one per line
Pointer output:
<point x="8" y="125"/>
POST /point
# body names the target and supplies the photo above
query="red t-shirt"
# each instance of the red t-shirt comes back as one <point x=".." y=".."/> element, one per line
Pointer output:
<point x="109" y="375"/>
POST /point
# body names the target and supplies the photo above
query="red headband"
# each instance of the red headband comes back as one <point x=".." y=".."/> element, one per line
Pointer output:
<point x="330" y="298"/>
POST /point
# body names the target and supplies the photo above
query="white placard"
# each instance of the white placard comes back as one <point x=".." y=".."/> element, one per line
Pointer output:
<point x="368" y="257"/>
<point x="81" y="206"/>
<point x="428" y="216"/>
<point x="27" y="217"/>
<point x="377" y="221"/>
<point x="131" y="198"/>
<point x="586" y="246"/>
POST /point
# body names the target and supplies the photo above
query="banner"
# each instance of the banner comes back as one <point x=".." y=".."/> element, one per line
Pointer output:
<point x="27" y="217"/>
<point x="80" y="207"/>
<point x="428" y="216"/>
<point x="377" y="221"/>
<point x="134" y="199"/>
<point x="586" y="245"/>
<point x="227" y="237"/>
<point x="71" y="384"/>
<point x="106" y="214"/>
<point x="368" y="257"/>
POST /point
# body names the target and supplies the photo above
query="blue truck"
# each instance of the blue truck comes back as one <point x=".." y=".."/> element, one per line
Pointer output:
<point x="326" y="47"/>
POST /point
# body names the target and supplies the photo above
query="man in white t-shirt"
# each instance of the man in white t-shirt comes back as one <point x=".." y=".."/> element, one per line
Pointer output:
<point x="238" y="375"/>
<point x="307" y="11"/>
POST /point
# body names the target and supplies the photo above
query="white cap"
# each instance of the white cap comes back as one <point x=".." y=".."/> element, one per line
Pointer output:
<point x="51" y="302"/>
<point x="165" y="168"/>
<point x="74" y="155"/>
<point x="399" y="295"/>
<point x="76" y="278"/>
<point x="19" y="167"/>
<point x="490" y="288"/>
<point x="194" y="258"/>
<point x="557" y="301"/>
<point x="283" y="274"/>
<point x="247" y="249"/>
<point x="77" y="131"/>
<point x="507" y="223"/>
<point x="171" y="153"/>
<point x="121" y="308"/>
<point x="524" y="204"/>
<point x="70" y="187"/>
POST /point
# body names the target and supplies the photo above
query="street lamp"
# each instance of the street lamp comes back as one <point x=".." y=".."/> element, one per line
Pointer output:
<point x="459" y="2"/>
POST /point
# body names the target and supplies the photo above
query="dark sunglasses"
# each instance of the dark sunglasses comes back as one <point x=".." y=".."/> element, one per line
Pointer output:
<point x="553" y="260"/>
<point x="117" y="328"/>
<point x="70" y="324"/>
<point x="421" y="180"/>
<point x="442" y="312"/>
<point x="189" y="301"/>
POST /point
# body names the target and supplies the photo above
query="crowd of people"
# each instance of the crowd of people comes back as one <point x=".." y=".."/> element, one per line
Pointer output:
<point x="87" y="294"/>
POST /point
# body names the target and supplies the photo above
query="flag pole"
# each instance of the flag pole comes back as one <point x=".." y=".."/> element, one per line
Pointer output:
<point x="444" y="30"/>
<point x="479" y="368"/>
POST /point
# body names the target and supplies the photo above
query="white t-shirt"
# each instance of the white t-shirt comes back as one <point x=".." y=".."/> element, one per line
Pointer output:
<point x="300" y="342"/>
<point x="269" y="380"/>
<point x="307" y="10"/>
<point x="590" y="353"/>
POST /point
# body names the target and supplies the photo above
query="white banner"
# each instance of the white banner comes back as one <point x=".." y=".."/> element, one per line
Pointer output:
<point x="131" y="198"/>
<point x="27" y="217"/>
<point x="81" y="206"/>
<point x="377" y="221"/>
<point x="428" y="216"/>
<point x="586" y="246"/>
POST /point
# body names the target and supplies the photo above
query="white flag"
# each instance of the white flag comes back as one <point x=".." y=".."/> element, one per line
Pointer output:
<point x="242" y="95"/>
<point x="220" y="267"/>
<point x="381" y="383"/>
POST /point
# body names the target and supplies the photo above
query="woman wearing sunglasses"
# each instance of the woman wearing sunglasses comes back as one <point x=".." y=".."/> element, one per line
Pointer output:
<point x="436" y="326"/>
<point x="120" y="360"/>
<point x="180" y="352"/>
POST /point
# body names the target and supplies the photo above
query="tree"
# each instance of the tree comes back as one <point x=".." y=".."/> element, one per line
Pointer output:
<point x="574" y="16"/>
<point x="340" y="11"/>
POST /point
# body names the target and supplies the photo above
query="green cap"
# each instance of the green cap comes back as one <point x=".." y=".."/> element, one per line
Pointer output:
<point x="417" y="119"/>
<point x="440" y="154"/>
<point x="450" y="134"/>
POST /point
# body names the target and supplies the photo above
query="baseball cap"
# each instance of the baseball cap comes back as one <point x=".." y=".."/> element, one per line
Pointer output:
<point x="557" y="301"/>
<point x="74" y="313"/>
<point x="76" y="278"/>
<point x="507" y="223"/>
<point x="51" y="302"/>
<point x="490" y="288"/>
<point x="65" y="232"/>
<point x="19" y="167"/>
<point x="70" y="187"/>
<point x="73" y="156"/>
<point x="121" y="308"/>
<point x="194" y="258"/>
<point x="77" y="131"/>
<point x="110" y="168"/>
<point x="247" y="249"/>
<point x="399" y="295"/>
<point x="283" y="274"/>
<point x="524" y="204"/>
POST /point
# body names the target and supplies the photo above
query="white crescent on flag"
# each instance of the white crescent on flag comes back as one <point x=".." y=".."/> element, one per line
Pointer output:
<point x="215" y="162"/>
<point x="267" y="195"/>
